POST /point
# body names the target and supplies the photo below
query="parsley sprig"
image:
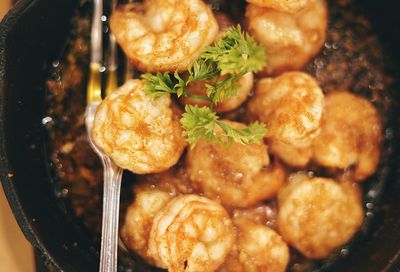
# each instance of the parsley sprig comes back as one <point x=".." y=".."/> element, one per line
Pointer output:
<point x="233" y="55"/>
<point x="201" y="123"/>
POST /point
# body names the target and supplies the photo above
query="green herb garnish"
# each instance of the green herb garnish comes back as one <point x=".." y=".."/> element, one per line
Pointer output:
<point x="233" y="55"/>
<point x="201" y="123"/>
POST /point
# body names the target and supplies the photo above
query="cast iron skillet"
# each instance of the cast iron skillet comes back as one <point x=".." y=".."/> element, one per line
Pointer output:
<point x="31" y="36"/>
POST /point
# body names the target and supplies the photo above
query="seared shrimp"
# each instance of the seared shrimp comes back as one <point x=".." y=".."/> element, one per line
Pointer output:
<point x="139" y="133"/>
<point x="290" y="6"/>
<point x="236" y="176"/>
<point x="290" y="40"/>
<point x="229" y="103"/>
<point x="164" y="35"/>
<point x="191" y="234"/>
<point x="351" y="133"/>
<point x="318" y="215"/>
<point x="292" y="155"/>
<point x="139" y="217"/>
<point x="257" y="248"/>
<point x="291" y="107"/>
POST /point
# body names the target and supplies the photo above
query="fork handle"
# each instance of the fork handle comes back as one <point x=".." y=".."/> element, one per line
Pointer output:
<point x="109" y="231"/>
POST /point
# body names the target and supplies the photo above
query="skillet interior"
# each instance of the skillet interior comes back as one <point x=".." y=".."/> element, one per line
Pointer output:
<point x="33" y="35"/>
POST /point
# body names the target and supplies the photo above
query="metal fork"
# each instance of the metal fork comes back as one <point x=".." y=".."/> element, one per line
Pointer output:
<point x="112" y="174"/>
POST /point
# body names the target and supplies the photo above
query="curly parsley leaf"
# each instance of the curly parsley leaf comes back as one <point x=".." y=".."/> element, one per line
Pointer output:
<point x="236" y="53"/>
<point x="158" y="84"/>
<point x="201" y="123"/>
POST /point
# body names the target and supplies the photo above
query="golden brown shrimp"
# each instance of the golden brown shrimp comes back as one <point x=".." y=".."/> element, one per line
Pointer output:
<point x="290" y="6"/>
<point x="164" y="35"/>
<point x="351" y="134"/>
<point x="257" y="248"/>
<point x="229" y="103"/>
<point x="292" y="155"/>
<point x="139" y="217"/>
<point x="191" y="234"/>
<point x="236" y="176"/>
<point x="291" y="107"/>
<point x="318" y="215"/>
<point x="290" y="40"/>
<point x="139" y="133"/>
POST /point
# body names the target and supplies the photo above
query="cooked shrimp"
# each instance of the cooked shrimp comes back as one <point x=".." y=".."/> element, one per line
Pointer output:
<point x="292" y="155"/>
<point x="257" y="248"/>
<point x="290" y="6"/>
<point x="139" y="133"/>
<point x="351" y="134"/>
<point x="164" y="35"/>
<point x="174" y="181"/>
<point x="192" y="233"/>
<point x="291" y="107"/>
<point x="290" y="40"/>
<point x="139" y="217"/>
<point x="318" y="215"/>
<point x="236" y="176"/>
<point x="229" y="103"/>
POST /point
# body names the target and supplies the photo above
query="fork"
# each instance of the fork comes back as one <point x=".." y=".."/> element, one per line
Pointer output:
<point x="112" y="174"/>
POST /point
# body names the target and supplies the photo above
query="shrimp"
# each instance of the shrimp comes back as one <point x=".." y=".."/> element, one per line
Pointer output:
<point x="229" y="103"/>
<point x="257" y="248"/>
<point x="290" y="6"/>
<point x="135" y="232"/>
<point x="237" y="176"/>
<point x="199" y="87"/>
<point x="318" y="215"/>
<point x="291" y="107"/>
<point x="192" y="234"/>
<point x="164" y="35"/>
<point x="290" y="40"/>
<point x="292" y="155"/>
<point x="351" y="134"/>
<point x="139" y="133"/>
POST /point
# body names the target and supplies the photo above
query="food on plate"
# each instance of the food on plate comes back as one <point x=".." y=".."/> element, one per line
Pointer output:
<point x="191" y="233"/>
<point x="139" y="133"/>
<point x="290" y="39"/>
<point x="139" y="216"/>
<point x="257" y="248"/>
<point x="318" y="215"/>
<point x="230" y="200"/>
<point x="237" y="176"/>
<point x="351" y="134"/>
<point x="285" y="6"/>
<point x="164" y="35"/>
